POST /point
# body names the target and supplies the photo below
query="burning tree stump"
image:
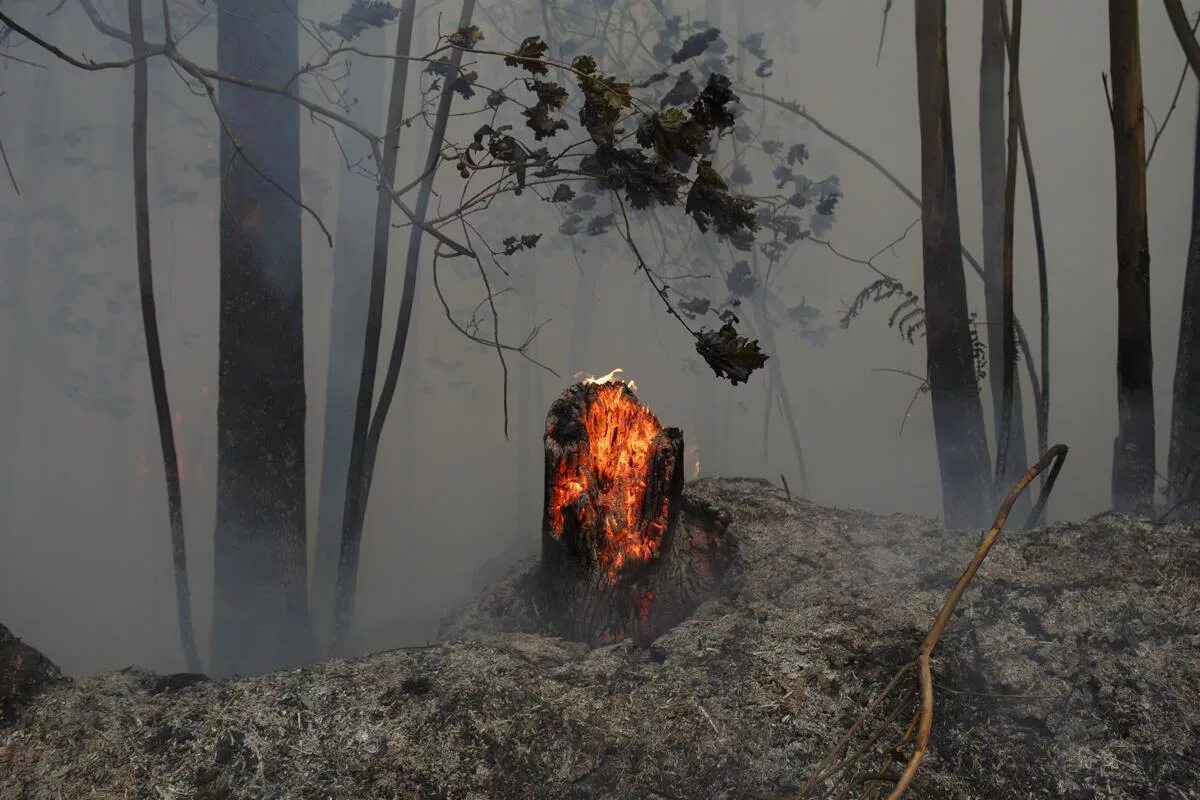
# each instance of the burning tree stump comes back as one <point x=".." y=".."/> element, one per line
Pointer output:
<point x="624" y="553"/>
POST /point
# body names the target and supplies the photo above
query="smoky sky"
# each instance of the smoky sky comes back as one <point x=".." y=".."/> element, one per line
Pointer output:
<point x="84" y="552"/>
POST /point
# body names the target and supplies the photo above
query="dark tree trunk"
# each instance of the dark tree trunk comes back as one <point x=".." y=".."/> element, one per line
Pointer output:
<point x="623" y="555"/>
<point x="992" y="163"/>
<point x="368" y="426"/>
<point x="154" y="357"/>
<point x="1133" y="452"/>
<point x="353" y="239"/>
<point x="1183" y="467"/>
<point x="957" y="409"/>
<point x="260" y="606"/>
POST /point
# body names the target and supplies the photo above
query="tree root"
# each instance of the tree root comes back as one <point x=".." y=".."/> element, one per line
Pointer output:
<point x="919" y="699"/>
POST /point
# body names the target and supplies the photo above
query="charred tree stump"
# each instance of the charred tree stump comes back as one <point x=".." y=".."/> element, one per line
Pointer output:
<point x="624" y="552"/>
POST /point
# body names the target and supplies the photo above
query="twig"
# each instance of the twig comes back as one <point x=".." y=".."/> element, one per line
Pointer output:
<point x="12" y="178"/>
<point x="1183" y="32"/>
<point x="1108" y="98"/>
<point x="883" y="31"/>
<point x="922" y="387"/>
<point x="786" y="488"/>
<point x="1158" y="129"/>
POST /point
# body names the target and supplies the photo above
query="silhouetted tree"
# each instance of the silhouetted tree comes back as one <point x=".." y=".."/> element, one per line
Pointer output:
<point x="954" y="391"/>
<point x="158" y="380"/>
<point x="353" y="238"/>
<point x="1183" y="459"/>
<point x="368" y="423"/>
<point x="992" y="160"/>
<point x="1133" y="451"/>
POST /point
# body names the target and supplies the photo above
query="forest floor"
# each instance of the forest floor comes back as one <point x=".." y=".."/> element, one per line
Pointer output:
<point x="1071" y="670"/>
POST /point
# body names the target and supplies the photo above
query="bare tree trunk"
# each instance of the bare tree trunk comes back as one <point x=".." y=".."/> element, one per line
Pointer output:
<point x="260" y="602"/>
<point x="993" y="167"/>
<point x="158" y="379"/>
<point x="368" y="427"/>
<point x="957" y="409"/>
<point x="1183" y="460"/>
<point x="347" y="326"/>
<point x="1133" y="451"/>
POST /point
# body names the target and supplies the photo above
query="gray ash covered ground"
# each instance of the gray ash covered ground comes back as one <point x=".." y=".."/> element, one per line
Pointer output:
<point x="1072" y="670"/>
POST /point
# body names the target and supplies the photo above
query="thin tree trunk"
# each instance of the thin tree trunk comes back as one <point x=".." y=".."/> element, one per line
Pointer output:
<point x="368" y="427"/>
<point x="1039" y="239"/>
<point x="1183" y="459"/>
<point x="992" y="164"/>
<point x="158" y="379"/>
<point x="779" y="388"/>
<point x="1004" y="433"/>
<point x="260" y="601"/>
<point x="1133" y="452"/>
<point x="350" y="296"/>
<point x="957" y="409"/>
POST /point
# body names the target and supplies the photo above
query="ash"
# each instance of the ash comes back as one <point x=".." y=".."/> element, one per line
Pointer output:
<point x="1071" y="670"/>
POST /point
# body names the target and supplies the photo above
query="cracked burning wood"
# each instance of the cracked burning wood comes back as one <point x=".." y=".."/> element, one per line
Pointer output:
<point x="624" y="552"/>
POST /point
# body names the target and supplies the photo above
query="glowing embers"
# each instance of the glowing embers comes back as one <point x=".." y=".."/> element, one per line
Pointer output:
<point x="607" y="479"/>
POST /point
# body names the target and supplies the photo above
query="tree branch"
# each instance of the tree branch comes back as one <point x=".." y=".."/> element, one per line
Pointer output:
<point x="1183" y="31"/>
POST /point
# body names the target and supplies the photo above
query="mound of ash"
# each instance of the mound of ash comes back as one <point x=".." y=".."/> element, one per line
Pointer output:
<point x="1071" y="670"/>
<point x="24" y="673"/>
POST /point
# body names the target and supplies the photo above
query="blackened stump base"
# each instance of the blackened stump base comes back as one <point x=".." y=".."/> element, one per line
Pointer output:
<point x="623" y="553"/>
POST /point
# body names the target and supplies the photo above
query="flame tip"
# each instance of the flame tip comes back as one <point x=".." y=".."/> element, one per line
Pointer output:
<point x="611" y="377"/>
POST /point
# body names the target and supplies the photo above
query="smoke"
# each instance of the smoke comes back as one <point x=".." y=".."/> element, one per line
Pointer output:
<point x="84" y="551"/>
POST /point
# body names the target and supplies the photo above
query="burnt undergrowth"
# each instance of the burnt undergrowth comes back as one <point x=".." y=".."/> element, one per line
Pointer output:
<point x="1069" y="671"/>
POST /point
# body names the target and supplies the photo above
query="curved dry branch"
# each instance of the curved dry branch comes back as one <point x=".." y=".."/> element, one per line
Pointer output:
<point x="920" y="726"/>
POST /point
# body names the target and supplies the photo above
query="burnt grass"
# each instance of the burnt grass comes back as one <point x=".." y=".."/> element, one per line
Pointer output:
<point x="1072" y="670"/>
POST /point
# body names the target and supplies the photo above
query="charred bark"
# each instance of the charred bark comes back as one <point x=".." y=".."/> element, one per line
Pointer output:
<point x="260" y="572"/>
<point x="1133" y="451"/>
<point x="623" y="554"/>
<point x="954" y="391"/>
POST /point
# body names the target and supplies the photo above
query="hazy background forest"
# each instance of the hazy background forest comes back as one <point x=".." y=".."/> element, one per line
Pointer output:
<point x="84" y="559"/>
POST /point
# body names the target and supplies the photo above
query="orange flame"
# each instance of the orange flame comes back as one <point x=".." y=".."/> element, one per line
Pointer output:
<point x="611" y="476"/>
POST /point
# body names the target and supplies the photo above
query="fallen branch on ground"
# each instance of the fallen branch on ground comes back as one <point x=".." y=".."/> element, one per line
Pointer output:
<point x="920" y="726"/>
